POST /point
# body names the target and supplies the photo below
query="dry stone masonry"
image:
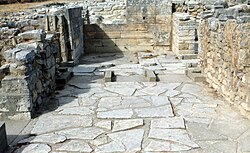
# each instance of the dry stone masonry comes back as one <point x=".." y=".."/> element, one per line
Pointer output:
<point x="30" y="76"/>
<point x="225" y="53"/>
<point x="29" y="67"/>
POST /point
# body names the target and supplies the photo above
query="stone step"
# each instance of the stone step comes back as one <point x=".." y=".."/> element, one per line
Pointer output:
<point x="151" y="76"/>
<point x="3" y="137"/>
<point x="64" y="78"/>
<point x="108" y="76"/>
<point x="188" y="56"/>
<point x="195" y="76"/>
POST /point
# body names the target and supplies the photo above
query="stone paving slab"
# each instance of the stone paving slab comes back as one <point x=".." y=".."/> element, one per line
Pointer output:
<point x="173" y="115"/>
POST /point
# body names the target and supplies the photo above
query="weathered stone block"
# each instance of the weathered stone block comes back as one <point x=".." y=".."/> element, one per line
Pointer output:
<point x="9" y="55"/>
<point x="12" y="84"/>
<point x="14" y="104"/>
<point x="25" y="56"/>
<point x="34" y="35"/>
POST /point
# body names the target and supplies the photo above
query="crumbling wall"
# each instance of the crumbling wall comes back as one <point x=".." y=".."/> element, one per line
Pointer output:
<point x="225" y="53"/>
<point x="30" y="74"/>
<point x="32" y="55"/>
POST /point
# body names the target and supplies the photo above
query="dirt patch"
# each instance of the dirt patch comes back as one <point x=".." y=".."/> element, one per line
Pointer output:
<point x="17" y="7"/>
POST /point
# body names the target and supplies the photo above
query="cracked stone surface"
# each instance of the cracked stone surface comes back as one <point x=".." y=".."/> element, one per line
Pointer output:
<point x="120" y="125"/>
<point x="81" y="133"/>
<point x="38" y="148"/>
<point x="75" y="146"/>
<point x="173" y="115"/>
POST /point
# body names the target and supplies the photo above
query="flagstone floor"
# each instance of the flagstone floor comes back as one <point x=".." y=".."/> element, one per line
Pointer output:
<point x="133" y="115"/>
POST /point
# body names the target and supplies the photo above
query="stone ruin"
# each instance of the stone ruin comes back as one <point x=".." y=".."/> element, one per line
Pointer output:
<point x="35" y="43"/>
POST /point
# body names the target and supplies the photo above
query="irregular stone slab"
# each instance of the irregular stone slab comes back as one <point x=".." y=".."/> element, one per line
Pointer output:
<point x="199" y="120"/>
<point x="77" y="111"/>
<point x="106" y="124"/>
<point x="132" y="139"/>
<point x="232" y="129"/>
<point x="184" y="109"/>
<point x="134" y="102"/>
<point x="192" y="100"/>
<point x="45" y="138"/>
<point x="228" y="146"/>
<point x="122" y="113"/>
<point x="200" y="132"/>
<point x="244" y="142"/>
<point x="170" y="86"/>
<point x="36" y="148"/>
<point x="149" y="84"/>
<point x="192" y="89"/>
<point x="168" y="123"/>
<point x="120" y="125"/>
<point x="175" y="135"/>
<point x="176" y="101"/>
<point x="86" y="101"/>
<point x="219" y="146"/>
<point x="100" y="140"/>
<point x="49" y="123"/>
<point x="83" y="69"/>
<point x="111" y="147"/>
<point x="109" y="102"/>
<point x="157" y="100"/>
<point x="186" y="95"/>
<point x="158" y="146"/>
<point x="75" y="146"/>
<point x="163" y="111"/>
<point x="105" y="93"/>
<point x="154" y="91"/>
<point x="204" y="110"/>
<point x="172" y="93"/>
<point x="178" y="147"/>
<point x="81" y="133"/>
<point x="122" y="88"/>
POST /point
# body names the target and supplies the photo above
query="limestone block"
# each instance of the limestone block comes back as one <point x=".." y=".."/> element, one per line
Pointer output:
<point x="25" y="56"/>
<point x="35" y="35"/>
<point x="9" y="55"/>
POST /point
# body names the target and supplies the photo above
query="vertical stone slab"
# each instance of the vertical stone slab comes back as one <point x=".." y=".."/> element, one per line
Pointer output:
<point x="63" y="39"/>
<point x="3" y="138"/>
<point x="75" y="29"/>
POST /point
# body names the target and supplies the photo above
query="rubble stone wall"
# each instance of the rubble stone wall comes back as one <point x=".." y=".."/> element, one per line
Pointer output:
<point x="30" y="74"/>
<point x="225" y="53"/>
<point x="30" y="56"/>
<point x="9" y="28"/>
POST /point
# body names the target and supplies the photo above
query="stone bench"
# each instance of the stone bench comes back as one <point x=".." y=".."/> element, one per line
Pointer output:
<point x="3" y="137"/>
